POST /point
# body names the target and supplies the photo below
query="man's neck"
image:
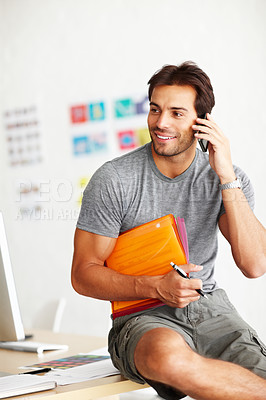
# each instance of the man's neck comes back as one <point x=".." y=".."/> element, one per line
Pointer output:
<point x="175" y="165"/>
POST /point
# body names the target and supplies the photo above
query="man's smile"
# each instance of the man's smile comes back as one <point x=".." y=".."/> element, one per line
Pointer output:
<point x="164" y="137"/>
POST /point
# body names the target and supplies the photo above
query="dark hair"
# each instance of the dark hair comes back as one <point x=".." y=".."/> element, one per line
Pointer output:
<point x="186" y="74"/>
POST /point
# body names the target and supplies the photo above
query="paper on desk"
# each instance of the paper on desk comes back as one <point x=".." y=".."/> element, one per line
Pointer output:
<point x="85" y="372"/>
<point x="103" y="351"/>
<point x="15" y="385"/>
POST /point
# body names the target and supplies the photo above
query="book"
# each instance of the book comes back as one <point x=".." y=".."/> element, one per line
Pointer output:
<point x="15" y="385"/>
<point x="148" y="249"/>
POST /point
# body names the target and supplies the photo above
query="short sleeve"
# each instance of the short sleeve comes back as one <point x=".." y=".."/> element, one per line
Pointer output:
<point x="102" y="206"/>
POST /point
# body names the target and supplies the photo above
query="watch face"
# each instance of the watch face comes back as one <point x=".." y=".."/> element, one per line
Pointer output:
<point x="238" y="183"/>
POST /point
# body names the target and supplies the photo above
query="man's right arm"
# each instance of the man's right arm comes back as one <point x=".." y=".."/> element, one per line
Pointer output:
<point x="91" y="278"/>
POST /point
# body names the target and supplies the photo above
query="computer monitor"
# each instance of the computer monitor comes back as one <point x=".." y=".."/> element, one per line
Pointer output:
<point x="11" y="327"/>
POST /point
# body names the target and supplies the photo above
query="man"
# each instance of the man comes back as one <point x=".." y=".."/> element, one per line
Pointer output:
<point x="190" y="345"/>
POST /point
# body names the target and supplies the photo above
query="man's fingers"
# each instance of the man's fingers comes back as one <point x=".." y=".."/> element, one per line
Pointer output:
<point x="191" y="268"/>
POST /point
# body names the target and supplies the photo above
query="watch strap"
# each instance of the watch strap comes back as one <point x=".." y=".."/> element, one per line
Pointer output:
<point x="236" y="184"/>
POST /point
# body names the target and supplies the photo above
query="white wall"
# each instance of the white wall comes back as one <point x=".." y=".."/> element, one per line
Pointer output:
<point x="56" y="52"/>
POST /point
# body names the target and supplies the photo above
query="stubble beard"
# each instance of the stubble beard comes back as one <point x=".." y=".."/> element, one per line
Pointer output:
<point x="163" y="149"/>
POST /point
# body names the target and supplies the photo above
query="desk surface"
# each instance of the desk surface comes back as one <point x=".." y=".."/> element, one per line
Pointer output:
<point x="10" y="361"/>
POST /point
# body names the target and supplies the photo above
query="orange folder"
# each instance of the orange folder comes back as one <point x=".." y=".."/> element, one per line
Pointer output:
<point x="147" y="249"/>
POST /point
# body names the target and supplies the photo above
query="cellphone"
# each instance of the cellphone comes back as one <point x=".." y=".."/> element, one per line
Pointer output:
<point x="202" y="142"/>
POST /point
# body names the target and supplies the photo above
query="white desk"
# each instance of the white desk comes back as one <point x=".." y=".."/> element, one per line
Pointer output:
<point x="10" y="361"/>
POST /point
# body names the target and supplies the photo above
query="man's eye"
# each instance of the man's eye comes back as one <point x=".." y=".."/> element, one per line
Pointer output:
<point x="154" y="110"/>
<point x="177" y="114"/>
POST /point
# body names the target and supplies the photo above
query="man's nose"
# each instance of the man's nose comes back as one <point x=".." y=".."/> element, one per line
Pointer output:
<point x="163" y="121"/>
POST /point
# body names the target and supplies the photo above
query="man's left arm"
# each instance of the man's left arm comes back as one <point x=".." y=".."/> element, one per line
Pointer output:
<point x="244" y="232"/>
<point x="239" y="226"/>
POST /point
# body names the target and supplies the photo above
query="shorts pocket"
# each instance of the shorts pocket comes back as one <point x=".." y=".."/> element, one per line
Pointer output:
<point x="258" y="341"/>
<point x="120" y="340"/>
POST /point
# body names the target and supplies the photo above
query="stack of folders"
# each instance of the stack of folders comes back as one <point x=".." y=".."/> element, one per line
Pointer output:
<point x="148" y="249"/>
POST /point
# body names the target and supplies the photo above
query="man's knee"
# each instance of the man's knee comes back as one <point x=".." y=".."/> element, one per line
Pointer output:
<point x="159" y="352"/>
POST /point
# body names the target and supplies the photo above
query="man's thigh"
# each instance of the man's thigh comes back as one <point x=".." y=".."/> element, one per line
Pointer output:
<point x="211" y="327"/>
<point x="124" y="337"/>
<point x="228" y="337"/>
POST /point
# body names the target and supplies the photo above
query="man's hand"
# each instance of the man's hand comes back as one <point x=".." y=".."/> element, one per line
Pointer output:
<point x="219" y="148"/>
<point x="176" y="291"/>
<point x="239" y="225"/>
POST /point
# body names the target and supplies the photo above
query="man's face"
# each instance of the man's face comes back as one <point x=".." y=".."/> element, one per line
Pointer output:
<point x="171" y="116"/>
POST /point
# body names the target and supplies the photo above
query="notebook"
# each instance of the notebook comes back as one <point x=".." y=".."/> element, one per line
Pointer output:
<point x="15" y="385"/>
<point x="148" y="249"/>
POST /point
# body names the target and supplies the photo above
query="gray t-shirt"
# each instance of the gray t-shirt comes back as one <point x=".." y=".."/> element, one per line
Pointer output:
<point x="130" y="190"/>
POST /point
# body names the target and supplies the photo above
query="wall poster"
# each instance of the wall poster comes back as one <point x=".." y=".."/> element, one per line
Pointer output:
<point x="23" y="136"/>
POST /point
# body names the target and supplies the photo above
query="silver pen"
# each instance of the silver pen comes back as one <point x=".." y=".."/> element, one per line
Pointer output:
<point x="184" y="275"/>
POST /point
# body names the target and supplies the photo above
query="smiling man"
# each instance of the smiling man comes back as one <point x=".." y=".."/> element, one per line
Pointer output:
<point x="170" y="124"/>
<point x="163" y="109"/>
<point x="190" y="345"/>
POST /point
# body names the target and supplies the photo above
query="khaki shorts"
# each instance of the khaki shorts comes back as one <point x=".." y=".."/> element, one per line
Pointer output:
<point x="212" y="328"/>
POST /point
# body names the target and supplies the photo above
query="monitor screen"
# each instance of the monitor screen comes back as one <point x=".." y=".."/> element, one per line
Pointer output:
<point x="11" y="327"/>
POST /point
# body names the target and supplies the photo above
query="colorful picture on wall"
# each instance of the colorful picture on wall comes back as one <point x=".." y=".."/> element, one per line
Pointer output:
<point x="124" y="108"/>
<point x="87" y="112"/>
<point x="89" y="144"/>
<point x="128" y="107"/>
<point x="81" y="145"/>
<point x="96" y="111"/>
<point x="131" y="138"/>
<point x="79" y="114"/>
<point x="82" y="183"/>
<point x="127" y="139"/>
<point x="143" y="136"/>
<point x="110" y="125"/>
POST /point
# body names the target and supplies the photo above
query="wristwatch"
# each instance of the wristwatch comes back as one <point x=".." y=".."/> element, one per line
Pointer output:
<point x="236" y="184"/>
